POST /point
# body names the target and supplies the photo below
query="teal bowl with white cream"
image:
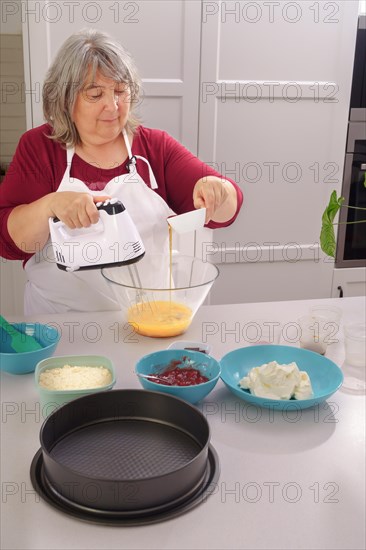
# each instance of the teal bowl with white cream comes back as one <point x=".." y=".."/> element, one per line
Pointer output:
<point x="325" y="376"/>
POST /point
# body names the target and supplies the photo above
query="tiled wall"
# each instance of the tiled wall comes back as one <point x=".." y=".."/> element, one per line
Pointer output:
<point x="12" y="92"/>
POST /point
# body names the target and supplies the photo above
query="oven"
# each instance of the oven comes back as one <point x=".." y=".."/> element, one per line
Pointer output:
<point x="358" y="90"/>
<point x="351" y="238"/>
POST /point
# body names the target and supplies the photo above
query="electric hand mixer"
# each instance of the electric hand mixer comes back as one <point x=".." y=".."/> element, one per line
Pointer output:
<point x="113" y="241"/>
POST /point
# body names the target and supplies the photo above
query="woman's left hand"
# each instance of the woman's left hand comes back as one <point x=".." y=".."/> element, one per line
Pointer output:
<point x="218" y="196"/>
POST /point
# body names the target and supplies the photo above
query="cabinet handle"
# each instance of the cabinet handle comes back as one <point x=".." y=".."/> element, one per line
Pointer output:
<point x="340" y="291"/>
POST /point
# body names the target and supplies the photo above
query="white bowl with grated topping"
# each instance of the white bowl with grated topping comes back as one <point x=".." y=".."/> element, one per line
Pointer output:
<point x="64" y="378"/>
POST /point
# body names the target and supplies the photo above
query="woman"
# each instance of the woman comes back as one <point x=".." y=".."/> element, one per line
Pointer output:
<point x="92" y="148"/>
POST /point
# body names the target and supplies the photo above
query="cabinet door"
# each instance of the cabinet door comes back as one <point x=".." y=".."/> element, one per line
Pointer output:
<point x="164" y="39"/>
<point x="275" y="89"/>
<point x="349" y="282"/>
<point x="12" y="281"/>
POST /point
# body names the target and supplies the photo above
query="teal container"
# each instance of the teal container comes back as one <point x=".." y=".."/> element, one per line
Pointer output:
<point x="25" y="362"/>
<point x="325" y="376"/>
<point x="51" y="400"/>
<point x="207" y="365"/>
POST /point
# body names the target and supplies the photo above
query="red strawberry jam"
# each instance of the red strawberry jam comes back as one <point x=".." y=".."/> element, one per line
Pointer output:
<point x="179" y="376"/>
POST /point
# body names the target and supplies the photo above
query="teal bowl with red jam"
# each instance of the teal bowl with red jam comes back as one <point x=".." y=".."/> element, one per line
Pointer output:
<point x="190" y="375"/>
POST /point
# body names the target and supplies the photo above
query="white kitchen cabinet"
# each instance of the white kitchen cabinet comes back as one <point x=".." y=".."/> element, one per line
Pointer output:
<point x="12" y="281"/>
<point x="349" y="282"/>
<point x="164" y="39"/>
<point x="275" y="89"/>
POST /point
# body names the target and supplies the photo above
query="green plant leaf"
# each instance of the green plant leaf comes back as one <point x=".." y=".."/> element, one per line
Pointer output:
<point x="364" y="180"/>
<point x="327" y="236"/>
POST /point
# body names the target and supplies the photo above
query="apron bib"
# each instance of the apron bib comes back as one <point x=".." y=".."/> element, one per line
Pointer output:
<point x="51" y="290"/>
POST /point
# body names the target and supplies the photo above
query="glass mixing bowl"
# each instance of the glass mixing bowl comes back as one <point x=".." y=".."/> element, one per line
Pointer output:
<point x="159" y="302"/>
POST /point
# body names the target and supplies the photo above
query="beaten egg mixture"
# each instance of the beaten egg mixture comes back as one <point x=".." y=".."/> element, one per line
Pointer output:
<point x="159" y="319"/>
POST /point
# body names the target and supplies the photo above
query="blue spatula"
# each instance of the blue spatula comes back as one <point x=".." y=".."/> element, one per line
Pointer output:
<point x="19" y="341"/>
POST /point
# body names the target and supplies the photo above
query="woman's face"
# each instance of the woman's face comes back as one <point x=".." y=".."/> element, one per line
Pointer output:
<point x="101" y="110"/>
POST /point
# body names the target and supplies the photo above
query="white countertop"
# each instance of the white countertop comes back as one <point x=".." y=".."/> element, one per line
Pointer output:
<point x="288" y="480"/>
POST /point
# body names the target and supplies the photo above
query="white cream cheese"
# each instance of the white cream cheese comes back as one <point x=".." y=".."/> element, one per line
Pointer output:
<point x="275" y="381"/>
<point x="304" y="389"/>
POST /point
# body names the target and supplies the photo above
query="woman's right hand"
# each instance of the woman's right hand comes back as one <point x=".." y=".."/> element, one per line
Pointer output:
<point x="74" y="209"/>
<point x="28" y="223"/>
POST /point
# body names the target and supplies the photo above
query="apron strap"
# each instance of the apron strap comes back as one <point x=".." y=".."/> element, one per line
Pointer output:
<point x="153" y="182"/>
<point x="69" y="154"/>
<point x="127" y="143"/>
<point x="132" y="163"/>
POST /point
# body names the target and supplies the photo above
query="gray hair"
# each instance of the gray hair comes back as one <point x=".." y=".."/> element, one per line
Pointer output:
<point x="83" y="51"/>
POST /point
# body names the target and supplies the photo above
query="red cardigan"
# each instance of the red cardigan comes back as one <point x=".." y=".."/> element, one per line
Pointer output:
<point x="39" y="164"/>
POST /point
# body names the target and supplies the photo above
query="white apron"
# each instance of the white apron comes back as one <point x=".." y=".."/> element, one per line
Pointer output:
<point x="52" y="290"/>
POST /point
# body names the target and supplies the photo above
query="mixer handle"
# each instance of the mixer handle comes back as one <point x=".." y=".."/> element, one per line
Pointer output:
<point x="68" y="233"/>
<point x="111" y="206"/>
